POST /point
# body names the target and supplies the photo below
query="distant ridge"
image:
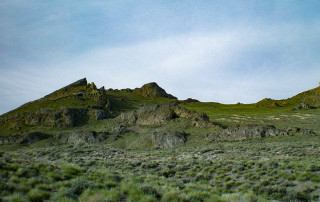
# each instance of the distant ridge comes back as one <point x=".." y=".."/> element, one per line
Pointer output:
<point x="309" y="97"/>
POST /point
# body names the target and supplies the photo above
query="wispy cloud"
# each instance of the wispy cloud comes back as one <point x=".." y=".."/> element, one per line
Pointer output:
<point x="239" y="64"/>
<point x="219" y="51"/>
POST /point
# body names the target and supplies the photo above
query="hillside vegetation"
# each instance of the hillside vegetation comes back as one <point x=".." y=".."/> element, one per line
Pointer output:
<point x="83" y="143"/>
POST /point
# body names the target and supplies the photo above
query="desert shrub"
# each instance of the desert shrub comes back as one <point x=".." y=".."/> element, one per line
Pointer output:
<point x="300" y="196"/>
<point x="149" y="165"/>
<point x="33" y="181"/>
<point x="22" y="187"/>
<point x="171" y="195"/>
<point x="274" y="164"/>
<point x="15" y="179"/>
<point x="315" y="178"/>
<point x="38" y="195"/>
<point x="77" y="187"/>
<point x="304" y="176"/>
<point x="250" y="197"/>
<point x="55" y="176"/>
<point x="16" y="197"/>
<point x="168" y="173"/>
<point x="46" y="187"/>
<point x="150" y="190"/>
<point x="100" y="195"/>
<point x="131" y="187"/>
<point x="25" y="172"/>
<point x="70" y="170"/>
<point x="202" y="176"/>
<point x="313" y="168"/>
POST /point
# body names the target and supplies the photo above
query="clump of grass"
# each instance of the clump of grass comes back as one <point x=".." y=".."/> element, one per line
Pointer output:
<point x="100" y="195"/>
<point x="38" y="195"/>
<point x="71" y="170"/>
<point x="16" y="197"/>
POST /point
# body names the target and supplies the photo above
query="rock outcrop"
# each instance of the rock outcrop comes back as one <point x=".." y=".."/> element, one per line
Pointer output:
<point x="157" y="115"/>
<point x="153" y="90"/>
<point x="99" y="114"/>
<point x="24" y="138"/>
<point x="168" y="139"/>
<point x="245" y="132"/>
<point x="82" y="137"/>
<point x="302" y="106"/>
<point x="63" y="117"/>
<point x="189" y="100"/>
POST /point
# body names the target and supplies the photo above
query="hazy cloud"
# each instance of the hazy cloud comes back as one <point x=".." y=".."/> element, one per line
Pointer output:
<point x="224" y="52"/>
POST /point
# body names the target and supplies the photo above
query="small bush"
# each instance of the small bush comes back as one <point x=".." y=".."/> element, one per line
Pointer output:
<point x="100" y="195"/>
<point x="16" y="197"/>
<point x="38" y="195"/>
<point x="70" y="170"/>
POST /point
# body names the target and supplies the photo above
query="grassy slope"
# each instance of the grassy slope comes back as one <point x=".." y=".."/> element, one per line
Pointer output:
<point x="311" y="97"/>
<point x="282" y="117"/>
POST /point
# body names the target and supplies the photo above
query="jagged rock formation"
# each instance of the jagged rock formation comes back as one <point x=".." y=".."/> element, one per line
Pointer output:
<point x="245" y="132"/>
<point x="168" y="139"/>
<point x="157" y="115"/>
<point x="82" y="137"/>
<point x="153" y="90"/>
<point x="23" y="138"/>
<point x="83" y="90"/>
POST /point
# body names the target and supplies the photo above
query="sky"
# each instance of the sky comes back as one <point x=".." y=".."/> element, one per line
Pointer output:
<point x="225" y="51"/>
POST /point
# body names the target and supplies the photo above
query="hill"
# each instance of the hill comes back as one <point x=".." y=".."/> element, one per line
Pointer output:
<point x="310" y="98"/>
<point x="79" y="103"/>
<point x="83" y="143"/>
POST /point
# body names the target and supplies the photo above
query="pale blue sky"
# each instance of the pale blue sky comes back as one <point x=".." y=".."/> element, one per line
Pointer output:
<point x="222" y="51"/>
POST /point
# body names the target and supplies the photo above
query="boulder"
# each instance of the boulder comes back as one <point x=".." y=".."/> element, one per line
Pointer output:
<point x="294" y="129"/>
<point x="82" y="137"/>
<point x="302" y="106"/>
<point x="99" y="114"/>
<point x="308" y="132"/>
<point x="168" y="139"/>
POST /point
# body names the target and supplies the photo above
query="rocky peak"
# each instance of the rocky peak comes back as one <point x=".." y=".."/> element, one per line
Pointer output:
<point x="81" y="82"/>
<point x="153" y="90"/>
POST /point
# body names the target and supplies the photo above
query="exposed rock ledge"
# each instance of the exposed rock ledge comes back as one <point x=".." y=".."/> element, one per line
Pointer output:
<point x="168" y="139"/>
<point x="82" y="137"/>
<point x="157" y="115"/>
<point x="23" y="138"/>
<point x="245" y="132"/>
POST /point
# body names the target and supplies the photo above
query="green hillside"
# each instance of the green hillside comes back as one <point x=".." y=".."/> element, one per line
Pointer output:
<point x="83" y="143"/>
